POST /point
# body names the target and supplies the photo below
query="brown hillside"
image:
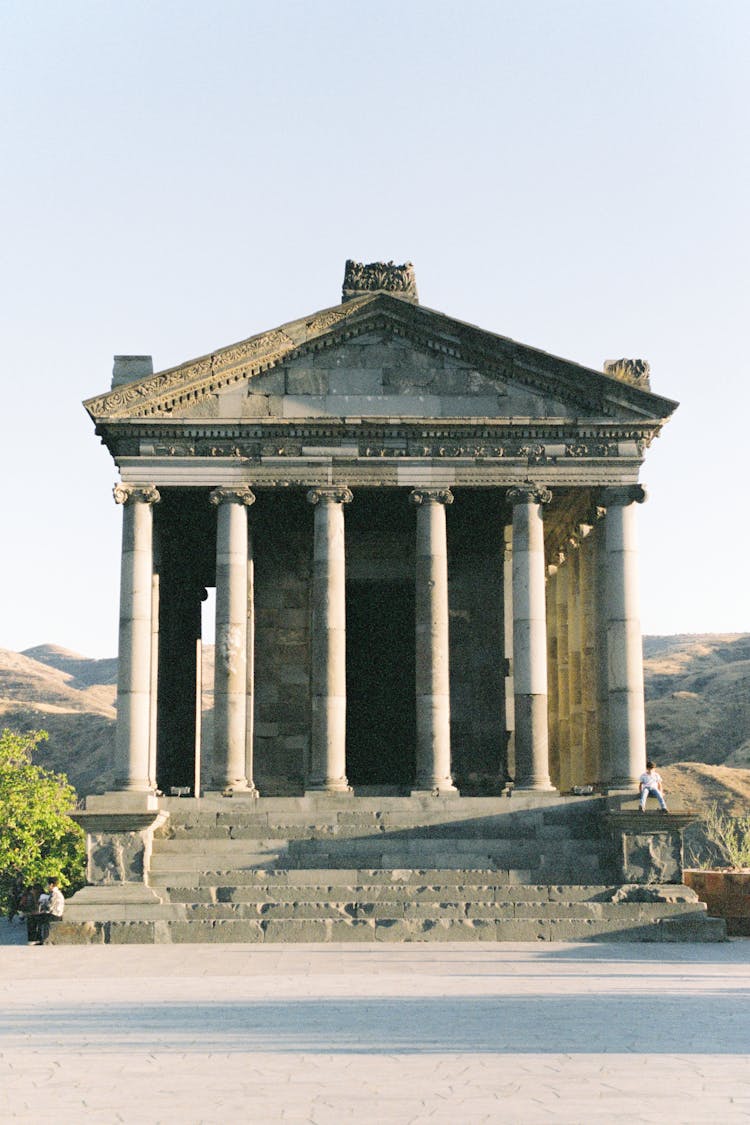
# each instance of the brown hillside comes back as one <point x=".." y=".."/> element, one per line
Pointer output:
<point x="697" y="713"/>
<point x="698" y="698"/>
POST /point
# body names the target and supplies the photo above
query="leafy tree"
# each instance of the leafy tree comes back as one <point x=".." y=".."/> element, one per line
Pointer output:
<point x="37" y="836"/>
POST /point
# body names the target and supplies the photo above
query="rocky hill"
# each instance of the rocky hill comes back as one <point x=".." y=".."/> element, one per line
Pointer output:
<point x="698" y="698"/>
<point x="697" y="708"/>
<point x="71" y="697"/>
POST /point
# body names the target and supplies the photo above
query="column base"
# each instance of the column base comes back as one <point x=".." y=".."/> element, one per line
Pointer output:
<point x="338" y="788"/>
<point x="535" y="787"/>
<point x="123" y="801"/>
<point x="621" y="785"/>
<point x="234" y="789"/>
<point x="434" y="789"/>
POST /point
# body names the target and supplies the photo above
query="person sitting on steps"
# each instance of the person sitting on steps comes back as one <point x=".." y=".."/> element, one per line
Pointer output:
<point x="651" y="785"/>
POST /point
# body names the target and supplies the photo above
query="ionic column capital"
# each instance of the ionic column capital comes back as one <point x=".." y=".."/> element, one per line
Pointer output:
<point x="430" y="496"/>
<point x="136" y="493"/>
<point x="337" y="495"/>
<point x="528" y="494"/>
<point x="621" y="495"/>
<point x="240" y="495"/>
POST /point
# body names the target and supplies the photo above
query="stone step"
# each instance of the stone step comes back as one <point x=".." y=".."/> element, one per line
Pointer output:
<point x="396" y="896"/>
<point x="689" y="926"/>
<point x="494" y="911"/>
<point x="302" y="827"/>
<point x="305" y="829"/>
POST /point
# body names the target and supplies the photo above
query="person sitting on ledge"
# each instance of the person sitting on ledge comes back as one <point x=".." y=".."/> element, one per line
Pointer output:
<point x="49" y="909"/>
<point x="651" y="784"/>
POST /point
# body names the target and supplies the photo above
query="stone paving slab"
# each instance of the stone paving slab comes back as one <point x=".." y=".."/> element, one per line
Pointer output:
<point x="408" y="1034"/>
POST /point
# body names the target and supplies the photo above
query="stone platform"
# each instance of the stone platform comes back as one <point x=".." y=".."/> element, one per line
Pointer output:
<point x="328" y="869"/>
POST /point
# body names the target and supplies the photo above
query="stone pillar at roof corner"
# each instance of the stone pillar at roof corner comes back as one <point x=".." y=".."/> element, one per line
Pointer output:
<point x="130" y="368"/>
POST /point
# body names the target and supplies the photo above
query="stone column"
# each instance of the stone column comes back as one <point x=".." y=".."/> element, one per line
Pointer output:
<point x="132" y="737"/>
<point x="230" y="657"/>
<point x="552" y="707"/>
<point x="154" y="689"/>
<point x="627" y="719"/>
<point x="328" y="677"/>
<point x="602" y="662"/>
<point x="591" y="763"/>
<point x="510" y="720"/>
<point x="530" y="638"/>
<point x="574" y="661"/>
<point x="564" y="780"/>
<point x="431" y="639"/>
<point x="250" y="680"/>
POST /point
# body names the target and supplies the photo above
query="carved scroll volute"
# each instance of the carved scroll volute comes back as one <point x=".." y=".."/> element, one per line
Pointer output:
<point x="239" y="495"/>
<point x="136" y="493"/>
<point x="340" y="495"/>
<point x="622" y="495"/>
<point x="528" y="494"/>
<point x="431" y="495"/>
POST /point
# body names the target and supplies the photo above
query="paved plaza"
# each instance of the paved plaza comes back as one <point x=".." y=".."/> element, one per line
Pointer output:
<point x="418" y="1034"/>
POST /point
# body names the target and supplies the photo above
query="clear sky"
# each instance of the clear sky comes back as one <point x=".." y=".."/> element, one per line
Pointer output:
<point x="176" y="175"/>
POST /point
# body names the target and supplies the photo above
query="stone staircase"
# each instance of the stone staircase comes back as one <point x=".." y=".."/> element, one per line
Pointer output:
<point x="324" y="869"/>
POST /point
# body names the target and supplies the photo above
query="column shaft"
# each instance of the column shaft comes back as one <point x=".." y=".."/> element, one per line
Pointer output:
<point x="627" y="719"/>
<point x="154" y="690"/>
<point x="132" y="737"/>
<point x="230" y="657"/>
<point x="510" y="719"/>
<point x="552" y="706"/>
<point x="328" y="677"/>
<point x="530" y="639"/>
<point x="574" y="663"/>
<point x="602" y="661"/>
<point x="250" y="679"/>
<point x="591" y="763"/>
<point x="563" y="679"/>
<point x="431" y="639"/>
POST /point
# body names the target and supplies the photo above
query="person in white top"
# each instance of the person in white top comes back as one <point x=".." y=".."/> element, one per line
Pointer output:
<point x="651" y="785"/>
<point x="51" y="911"/>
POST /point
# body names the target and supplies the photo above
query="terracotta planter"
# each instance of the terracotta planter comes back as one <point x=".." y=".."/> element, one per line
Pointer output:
<point x="726" y="893"/>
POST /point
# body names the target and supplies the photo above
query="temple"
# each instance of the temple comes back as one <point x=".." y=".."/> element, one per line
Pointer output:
<point x="422" y="540"/>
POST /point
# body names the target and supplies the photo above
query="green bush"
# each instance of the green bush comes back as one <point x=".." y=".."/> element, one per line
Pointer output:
<point x="38" y="838"/>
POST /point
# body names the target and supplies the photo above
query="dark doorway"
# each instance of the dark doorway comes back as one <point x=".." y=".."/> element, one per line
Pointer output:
<point x="380" y="684"/>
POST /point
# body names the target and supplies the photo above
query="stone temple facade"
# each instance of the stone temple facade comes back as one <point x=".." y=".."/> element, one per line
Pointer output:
<point x="428" y="716"/>
<point x="422" y="537"/>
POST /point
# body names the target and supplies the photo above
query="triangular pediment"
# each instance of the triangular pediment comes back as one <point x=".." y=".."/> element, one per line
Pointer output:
<point x="378" y="356"/>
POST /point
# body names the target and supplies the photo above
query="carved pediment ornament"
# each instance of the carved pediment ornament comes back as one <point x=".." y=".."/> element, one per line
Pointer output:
<point x="239" y="495"/>
<point x="431" y="495"/>
<point x="340" y="495"/>
<point x="375" y="276"/>
<point x="133" y="493"/>
<point x="528" y="494"/>
<point x="637" y="372"/>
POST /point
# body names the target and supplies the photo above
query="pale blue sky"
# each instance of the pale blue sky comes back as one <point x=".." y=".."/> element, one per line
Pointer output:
<point x="179" y="175"/>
